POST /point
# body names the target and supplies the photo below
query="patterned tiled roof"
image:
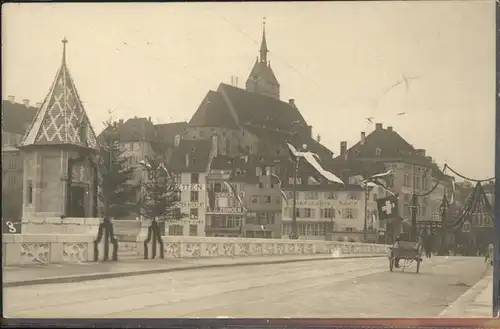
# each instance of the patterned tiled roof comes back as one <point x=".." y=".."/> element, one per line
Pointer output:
<point x="61" y="117"/>
<point x="16" y="117"/>
<point x="198" y="153"/>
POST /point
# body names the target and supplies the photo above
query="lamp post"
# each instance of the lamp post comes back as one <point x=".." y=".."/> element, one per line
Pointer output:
<point x="294" y="234"/>
<point x="365" y="231"/>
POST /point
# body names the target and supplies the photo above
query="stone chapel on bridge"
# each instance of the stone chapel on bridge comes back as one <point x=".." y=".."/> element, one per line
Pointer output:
<point x="60" y="154"/>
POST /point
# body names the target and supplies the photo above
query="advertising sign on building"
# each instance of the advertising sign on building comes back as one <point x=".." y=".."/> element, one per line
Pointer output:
<point x="191" y="187"/>
<point x="190" y="204"/>
<point x="227" y="210"/>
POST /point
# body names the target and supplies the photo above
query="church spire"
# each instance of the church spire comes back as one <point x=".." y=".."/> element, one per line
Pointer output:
<point x="263" y="45"/>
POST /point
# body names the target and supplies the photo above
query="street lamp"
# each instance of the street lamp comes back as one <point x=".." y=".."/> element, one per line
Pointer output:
<point x="294" y="234"/>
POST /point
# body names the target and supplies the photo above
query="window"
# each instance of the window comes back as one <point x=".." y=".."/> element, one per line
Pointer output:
<point x="417" y="182"/>
<point x="327" y="213"/>
<point x="217" y="188"/>
<point x="176" y="230"/>
<point x="193" y="229"/>
<point x="261" y="185"/>
<point x="193" y="213"/>
<point x="353" y="196"/>
<point x="267" y="199"/>
<point x="406" y="180"/>
<point x="255" y="199"/>
<point x="195" y="178"/>
<point x="278" y="199"/>
<point x="378" y="151"/>
<point x="176" y="213"/>
<point x="194" y="196"/>
<point x="258" y="171"/>
<point x="348" y="213"/>
<point x="177" y="178"/>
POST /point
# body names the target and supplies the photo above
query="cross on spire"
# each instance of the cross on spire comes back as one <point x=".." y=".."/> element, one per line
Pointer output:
<point x="64" y="42"/>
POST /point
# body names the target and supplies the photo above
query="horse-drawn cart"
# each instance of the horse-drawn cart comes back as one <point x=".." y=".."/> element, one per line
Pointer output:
<point x="407" y="252"/>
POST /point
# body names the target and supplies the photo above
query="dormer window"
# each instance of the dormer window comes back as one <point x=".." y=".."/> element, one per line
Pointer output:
<point x="378" y="151"/>
<point x="357" y="152"/>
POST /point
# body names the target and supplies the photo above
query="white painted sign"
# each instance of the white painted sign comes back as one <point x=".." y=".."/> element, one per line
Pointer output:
<point x="349" y="202"/>
<point x="190" y="204"/>
<point x="191" y="187"/>
<point x="227" y="210"/>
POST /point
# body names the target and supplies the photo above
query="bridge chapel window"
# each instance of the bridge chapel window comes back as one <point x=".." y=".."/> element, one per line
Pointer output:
<point x="30" y="192"/>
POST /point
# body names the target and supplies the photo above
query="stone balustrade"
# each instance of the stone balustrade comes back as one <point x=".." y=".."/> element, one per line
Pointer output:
<point x="59" y="246"/>
<point x="24" y="249"/>
<point x="183" y="246"/>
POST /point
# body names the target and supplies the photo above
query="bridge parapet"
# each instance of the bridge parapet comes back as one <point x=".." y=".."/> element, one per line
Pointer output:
<point x="22" y="249"/>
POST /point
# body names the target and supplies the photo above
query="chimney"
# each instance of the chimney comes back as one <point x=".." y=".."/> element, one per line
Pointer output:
<point x="343" y="149"/>
<point x="187" y="159"/>
<point x="38" y="105"/>
<point x="11" y="99"/>
<point x="215" y="145"/>
<point x="363" y="138"/>
<point x="177" y="140"/>
<point x="378" y="126"/>
<point x="26" y="102"/>
<point x="291" y="101"/>
<point x="149" y="119"/>
<point x="389" y="128"/>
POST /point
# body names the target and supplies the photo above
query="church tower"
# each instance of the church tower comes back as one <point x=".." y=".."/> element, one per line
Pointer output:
<point x="262" y="79"/>
<point x="60" y="155"/>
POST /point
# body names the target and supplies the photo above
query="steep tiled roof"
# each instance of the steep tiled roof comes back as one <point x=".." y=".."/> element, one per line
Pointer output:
<point x="166" y="132"/>
<point x="213" y="112"/>
<point x="61" y="117"/>
<point x="16" y="117"/>
<point x="355" y="167"/>
<point x="262" y="70"/>
<point x="262" y="111"/>
<point x="389" y="142"/>
<point x="197" y="151"/>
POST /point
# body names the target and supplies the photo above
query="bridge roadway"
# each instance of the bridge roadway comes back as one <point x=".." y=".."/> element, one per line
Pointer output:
<point x="327" y="288"/>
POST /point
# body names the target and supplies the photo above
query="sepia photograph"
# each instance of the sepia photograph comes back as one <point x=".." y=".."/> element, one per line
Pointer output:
<point x="154" y="155"/>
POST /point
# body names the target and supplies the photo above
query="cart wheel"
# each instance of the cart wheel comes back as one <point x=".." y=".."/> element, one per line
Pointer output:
<point x="418" y="265"/>
<point x="391" y="264"/>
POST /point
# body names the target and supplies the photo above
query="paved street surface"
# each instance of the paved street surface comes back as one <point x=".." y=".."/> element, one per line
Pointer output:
<point x="323" y="288"/>
<point x="21" y="274"/>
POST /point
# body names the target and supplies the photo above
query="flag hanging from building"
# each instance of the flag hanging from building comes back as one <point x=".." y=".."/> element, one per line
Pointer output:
<point x="211" y="198"/>
<point x="387" y="207"/>
<point x="312" y="159"/>
<point x="235" y="194"/>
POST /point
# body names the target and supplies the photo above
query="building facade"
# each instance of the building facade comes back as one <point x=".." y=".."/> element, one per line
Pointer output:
<point x="413" y="172"/>
<point x="189" y="164"/>
<point x="16" y="118"/>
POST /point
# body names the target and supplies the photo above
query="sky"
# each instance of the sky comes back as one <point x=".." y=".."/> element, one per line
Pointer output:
<point x="338" y="60"/>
